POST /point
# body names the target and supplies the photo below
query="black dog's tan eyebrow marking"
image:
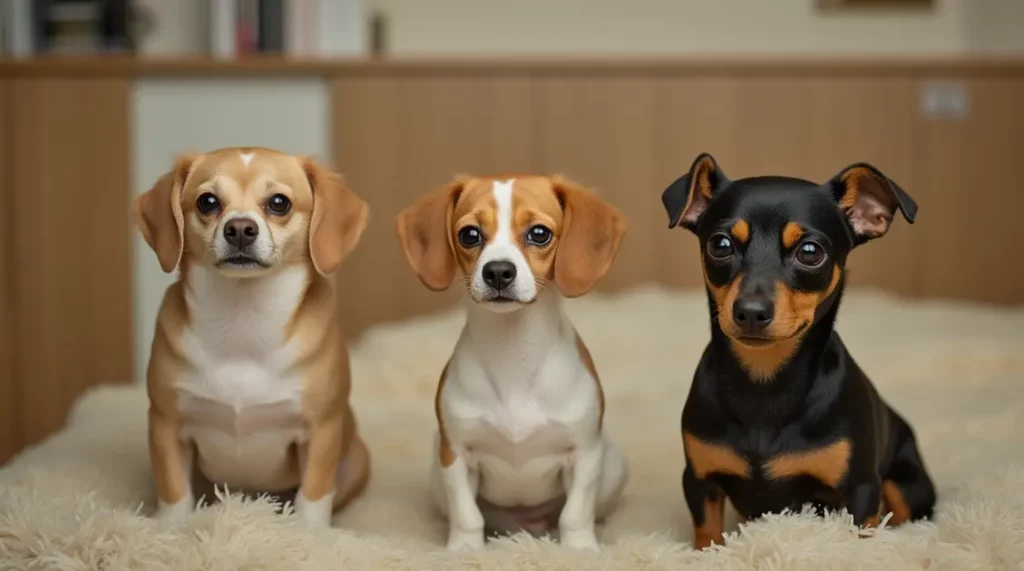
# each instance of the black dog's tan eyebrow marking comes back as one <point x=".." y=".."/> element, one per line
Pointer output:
<point x="741" y="231"/>
<point x="828" y="464"/>
<point x="791" y="234"/>
<point x="708" y="458"/>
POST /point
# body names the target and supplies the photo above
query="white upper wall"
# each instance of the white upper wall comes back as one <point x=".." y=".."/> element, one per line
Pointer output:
<point x="701" y="27"/>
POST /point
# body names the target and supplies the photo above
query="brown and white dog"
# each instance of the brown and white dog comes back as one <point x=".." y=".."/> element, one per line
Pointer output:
<point x="520" y="443"/>
<point x="248" y="379"/>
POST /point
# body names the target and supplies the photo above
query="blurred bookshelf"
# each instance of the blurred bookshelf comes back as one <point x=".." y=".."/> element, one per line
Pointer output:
<point x="182" y="29"/>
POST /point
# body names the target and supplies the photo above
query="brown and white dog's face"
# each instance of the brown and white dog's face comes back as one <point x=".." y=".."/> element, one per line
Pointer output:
<point x="246" y="211"/>
<point x="511" y="237"/>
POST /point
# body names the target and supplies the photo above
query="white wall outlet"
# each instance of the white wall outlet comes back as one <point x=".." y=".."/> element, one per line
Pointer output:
<point x="945" y="100"/>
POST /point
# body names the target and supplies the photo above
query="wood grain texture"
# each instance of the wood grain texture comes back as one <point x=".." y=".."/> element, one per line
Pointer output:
<point x="10" y="441"/>
<point x="968" y="241"/>
<point x="69" y="189"/>
<point x="600" y="133"/>
<point x="395" y="140"/>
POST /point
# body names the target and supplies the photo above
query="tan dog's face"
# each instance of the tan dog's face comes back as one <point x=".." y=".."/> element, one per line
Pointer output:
<point x="511" y="237"/>
<point x="247" y="211"/>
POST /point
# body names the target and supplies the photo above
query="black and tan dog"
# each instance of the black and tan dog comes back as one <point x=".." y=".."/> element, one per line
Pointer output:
<point x="779" y="415"/>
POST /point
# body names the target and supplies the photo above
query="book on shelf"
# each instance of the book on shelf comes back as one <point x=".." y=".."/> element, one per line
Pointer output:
<point x="293" y="28"/>
<point x="63" y="27"/>
<point x="236" y="28"/>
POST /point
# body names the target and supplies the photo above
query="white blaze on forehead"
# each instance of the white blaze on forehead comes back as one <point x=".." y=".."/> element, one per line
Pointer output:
<point x="247" y="158"/>
<point x="503" y="196"/>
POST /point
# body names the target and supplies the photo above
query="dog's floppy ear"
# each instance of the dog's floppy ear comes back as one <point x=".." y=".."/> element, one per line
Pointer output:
<point x="157" y="213"/>
<point x="687" y="198"/>
<point x="590" y="237"/>
<point x="338" y="220"/>
<point x="869" y="199"/>
<point x="424" y="229"/>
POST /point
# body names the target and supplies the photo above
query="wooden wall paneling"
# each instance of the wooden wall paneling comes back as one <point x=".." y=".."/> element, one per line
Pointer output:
<point x="397" y="138"/>
<point x="871" y="119"/>
<point x="9" y="434"/>
<point x="69" y="188"/>
<point x="600" y="132"/>
<point x="968" y="240"/>
<point x="694" y="115"/>
<point x="813" y="127"/>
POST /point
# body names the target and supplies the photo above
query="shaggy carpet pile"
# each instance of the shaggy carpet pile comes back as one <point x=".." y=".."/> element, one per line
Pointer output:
<point x="80" y="500"/>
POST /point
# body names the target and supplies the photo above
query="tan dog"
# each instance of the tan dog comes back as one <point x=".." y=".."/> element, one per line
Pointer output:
<point x="249" y="375"/>
<point x="520" y="442"/>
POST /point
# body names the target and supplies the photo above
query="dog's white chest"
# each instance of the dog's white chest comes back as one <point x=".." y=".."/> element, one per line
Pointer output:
<point x="519" y="419"/>
<point x="517" y="431"/>
<point x="519" y="450"/>
<point x="241" y="400"/>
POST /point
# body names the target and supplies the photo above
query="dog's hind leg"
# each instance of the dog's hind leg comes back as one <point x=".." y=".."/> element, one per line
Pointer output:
<point x="353" y="474"/>
<point x="614" y="475"/>
<point x="907" y="489"/>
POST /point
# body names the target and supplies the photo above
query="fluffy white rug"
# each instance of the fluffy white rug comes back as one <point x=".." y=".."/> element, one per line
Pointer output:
<point x="80" y="499"/>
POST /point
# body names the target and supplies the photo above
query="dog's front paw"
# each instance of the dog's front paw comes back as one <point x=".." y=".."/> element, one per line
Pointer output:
<point x="578" y="539"/>
<point x="459" y="540"/>
<point x="314" y="512"/>
<point x="176" y="512"/>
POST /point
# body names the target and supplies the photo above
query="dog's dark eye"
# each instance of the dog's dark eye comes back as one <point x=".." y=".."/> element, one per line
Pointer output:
<point x="720" y="246"/>
<point x="279" y="204"/>
<point x="810" y="254"/>
<point x="539" y="235"/>
<point x="207" y="203"/>
<point x="470" y="236"/>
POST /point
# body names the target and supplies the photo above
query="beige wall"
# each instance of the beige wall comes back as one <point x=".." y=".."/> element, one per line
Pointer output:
<point x="655" y="27"/>
<point x="995" y="26"/>
<point x="651" y="27"/>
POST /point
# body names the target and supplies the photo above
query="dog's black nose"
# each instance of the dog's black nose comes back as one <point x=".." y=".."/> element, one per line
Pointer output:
<point x="241" y="232"/>
<point x="499" y="274"/>
<point x="753" y="312"/>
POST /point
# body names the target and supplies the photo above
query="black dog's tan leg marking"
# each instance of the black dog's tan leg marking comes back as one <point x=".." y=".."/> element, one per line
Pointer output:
<point x="704" y="498"/>
<point x="828" y="465"/>
<point x="895" y="503"/>
<point x="710" y="530"/>
<point x="707" y="508"/>
<point x="707" y="458"/>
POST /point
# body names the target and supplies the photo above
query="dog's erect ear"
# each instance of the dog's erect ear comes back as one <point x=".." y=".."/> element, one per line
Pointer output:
<point x="424" y="230"/>
<point x="687" y="198"/>
<point x="339" y="218"/>
<point x="869" y="199"/>
<point x="157" y="213"/>
<point x="590" y="237"/>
